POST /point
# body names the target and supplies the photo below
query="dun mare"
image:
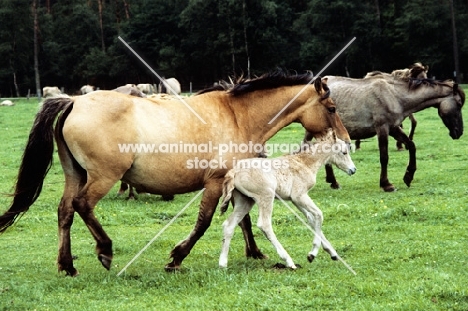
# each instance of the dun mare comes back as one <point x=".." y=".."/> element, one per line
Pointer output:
<point x="289" y="177"/>
<point x="415" y="71"/>
<point x="377" y="105"/>
<point x="91" y="131"/>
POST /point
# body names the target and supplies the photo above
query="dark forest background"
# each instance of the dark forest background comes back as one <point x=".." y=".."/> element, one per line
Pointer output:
<point x="203" y="41"/>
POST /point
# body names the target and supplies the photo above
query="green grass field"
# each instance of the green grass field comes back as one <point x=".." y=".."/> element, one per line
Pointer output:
<point x="408" y="247"/>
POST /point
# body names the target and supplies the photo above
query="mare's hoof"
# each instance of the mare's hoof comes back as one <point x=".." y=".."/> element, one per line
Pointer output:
<point x="72" y="273"/>
<point x="168" y="197"/>
<point x="255" y="254"/>
<point x="335" y="185"/>
<point x="283" y="266"/>
<point x="279" y="266"/>
<point x="408" y="179"/>
<point x="335" y="258"/>
<point x="171" y="267"/>
<point x="105" y="261"/>
<point x="310" y="257"/>
<point x="389" y="188"/>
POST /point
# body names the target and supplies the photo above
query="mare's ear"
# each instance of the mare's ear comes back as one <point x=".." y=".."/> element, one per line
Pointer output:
<point x="325" y="80"/>
<point x="318" y="85"/>
<point x="455" y="88"/>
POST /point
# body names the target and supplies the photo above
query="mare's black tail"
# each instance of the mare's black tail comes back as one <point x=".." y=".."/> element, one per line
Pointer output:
<point x="37" y="160"/>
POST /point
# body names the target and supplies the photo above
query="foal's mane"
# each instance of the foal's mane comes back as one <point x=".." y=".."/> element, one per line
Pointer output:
<point x="266" y="81"/>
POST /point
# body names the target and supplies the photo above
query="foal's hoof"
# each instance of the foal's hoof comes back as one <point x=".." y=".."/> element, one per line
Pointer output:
<point x="105" y="261"/>
<point x="310" y="257"/>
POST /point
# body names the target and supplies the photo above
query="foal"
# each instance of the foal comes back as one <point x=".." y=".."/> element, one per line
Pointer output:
<point x="288" y="177"/>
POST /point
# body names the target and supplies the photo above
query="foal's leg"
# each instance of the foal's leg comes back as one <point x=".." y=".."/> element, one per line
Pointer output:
<point x="315" y="217"/>
<point x="382" y="135"/>
<point x="242" y="207"/>
<point x="398" y="134"/>
<point x="265" y="211"/>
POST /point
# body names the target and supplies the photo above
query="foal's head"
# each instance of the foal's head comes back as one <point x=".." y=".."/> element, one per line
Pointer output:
<point x="338" y="151"/>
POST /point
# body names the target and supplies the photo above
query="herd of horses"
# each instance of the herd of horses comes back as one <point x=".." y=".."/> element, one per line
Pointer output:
<point x="88" y="129"/>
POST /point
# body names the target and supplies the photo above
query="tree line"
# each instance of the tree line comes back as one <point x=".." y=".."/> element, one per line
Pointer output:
<point x="71" y="43"/>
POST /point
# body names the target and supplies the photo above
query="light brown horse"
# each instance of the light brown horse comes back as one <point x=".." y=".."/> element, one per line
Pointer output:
<point x="91" y="130"/>
<point x="377" y="106"/>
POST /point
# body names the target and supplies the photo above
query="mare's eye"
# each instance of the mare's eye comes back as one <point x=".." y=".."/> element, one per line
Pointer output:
<point x="331" y="109"/>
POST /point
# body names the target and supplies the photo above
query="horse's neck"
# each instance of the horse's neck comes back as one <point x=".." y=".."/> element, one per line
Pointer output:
<point x="424" y="97"/>
<point x="262" y="120"/>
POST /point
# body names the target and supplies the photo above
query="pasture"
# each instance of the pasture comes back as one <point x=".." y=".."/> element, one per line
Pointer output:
<point x="408" y="247"/>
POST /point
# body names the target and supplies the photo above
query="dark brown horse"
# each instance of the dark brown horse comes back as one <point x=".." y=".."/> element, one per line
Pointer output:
<point x="377" y="105"/>
<point x="92" y="129"/>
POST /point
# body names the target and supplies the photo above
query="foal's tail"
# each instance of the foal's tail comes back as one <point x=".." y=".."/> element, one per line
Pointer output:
<point x="228" y="187"/>
<point x="37" y="159"/>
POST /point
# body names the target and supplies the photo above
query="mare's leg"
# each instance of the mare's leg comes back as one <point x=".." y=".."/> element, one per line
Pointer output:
<point x="358" y="144"/>
<point x="315" y="217"/>
<point x="414" y="122"/>
<point x="382" y="135"/>
<point x="65" y="220"/>
<point x="242" y="207"/>
<point x="131" y="193"/>
<point x="398" y="134"/>
<point x="84" y="203"/>
<point x="265" y="211"/>
<point x="399" y="143"/>
<point x="251" y="248"/>
<point x="123" y="188"/>
<point x="330" y="177"/>
<point x="210" y="198"/>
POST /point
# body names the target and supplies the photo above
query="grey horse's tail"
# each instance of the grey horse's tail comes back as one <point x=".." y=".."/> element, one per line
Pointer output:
<point x="228" y="187"/>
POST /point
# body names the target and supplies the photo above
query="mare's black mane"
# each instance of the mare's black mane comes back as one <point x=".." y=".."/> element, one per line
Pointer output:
<point x="266" y="81"/>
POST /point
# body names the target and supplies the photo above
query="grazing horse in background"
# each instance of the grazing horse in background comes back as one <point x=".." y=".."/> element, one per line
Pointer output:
<point x="289" y="177"/>
<point x="377" y="105"/>
<point x="93" y="132"/>
<point x="85" y="89"/>
<point x="50" y="91"/>
<point x="170" y="86"/>
<point x="415" y="71"/>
